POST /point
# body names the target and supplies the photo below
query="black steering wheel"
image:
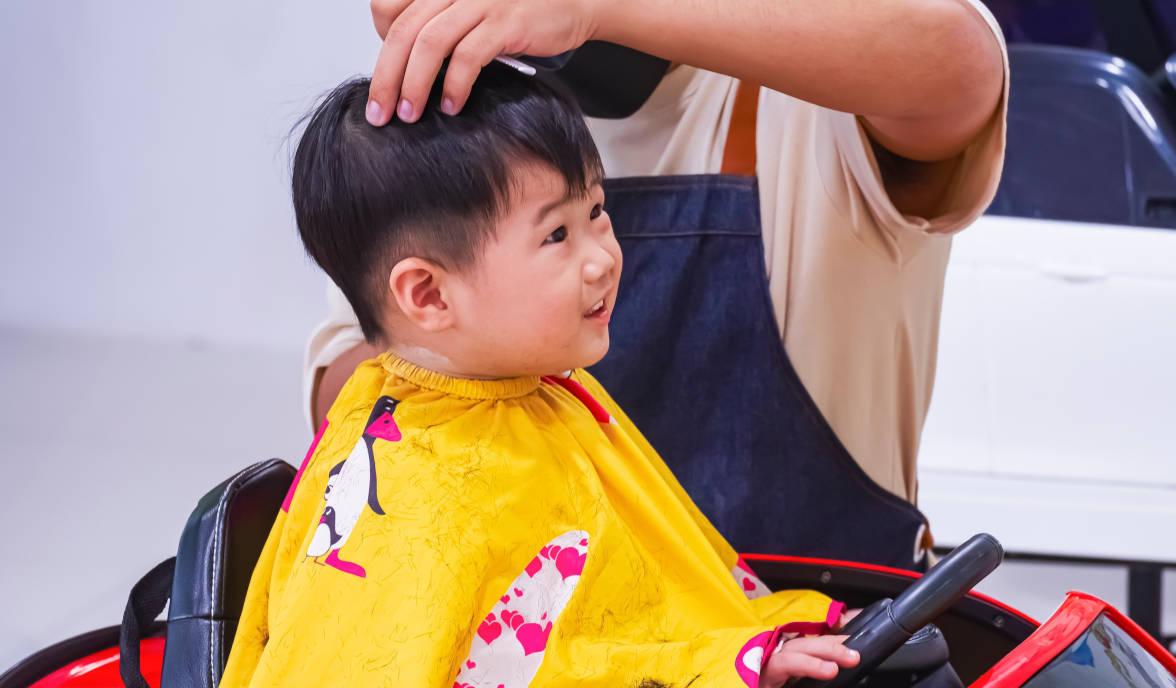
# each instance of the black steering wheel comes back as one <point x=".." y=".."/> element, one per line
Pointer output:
<point x="883" y="627"/>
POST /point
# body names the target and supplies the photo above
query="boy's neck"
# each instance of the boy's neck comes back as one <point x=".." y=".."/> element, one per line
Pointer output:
<point x="438" y="363"/>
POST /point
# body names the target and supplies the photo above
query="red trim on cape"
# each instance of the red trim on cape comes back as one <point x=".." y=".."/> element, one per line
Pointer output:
<point x="577" y="390"/>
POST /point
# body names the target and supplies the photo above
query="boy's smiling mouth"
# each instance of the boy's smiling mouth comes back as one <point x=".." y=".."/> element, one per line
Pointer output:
<point x="599" y="311"/>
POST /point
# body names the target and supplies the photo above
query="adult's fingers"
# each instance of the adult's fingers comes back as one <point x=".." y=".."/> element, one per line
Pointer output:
<point x="384" y="12"/>
<point x="384" y="93"/>
<point x="434" y="43"/>
<point x="474" y="52"/>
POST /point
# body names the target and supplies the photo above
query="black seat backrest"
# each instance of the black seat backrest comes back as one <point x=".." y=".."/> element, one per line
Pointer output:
<point x="218" y="549"/>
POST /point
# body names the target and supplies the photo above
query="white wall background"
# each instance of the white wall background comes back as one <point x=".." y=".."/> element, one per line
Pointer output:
<point x="144" y="182"/>
<point x="154" y="298"/>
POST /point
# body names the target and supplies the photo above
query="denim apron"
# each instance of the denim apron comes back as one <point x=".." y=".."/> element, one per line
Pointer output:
<point x="698" y="363"/>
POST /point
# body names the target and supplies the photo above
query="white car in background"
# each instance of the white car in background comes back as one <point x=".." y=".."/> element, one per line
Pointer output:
<point x="1054" y="414"/>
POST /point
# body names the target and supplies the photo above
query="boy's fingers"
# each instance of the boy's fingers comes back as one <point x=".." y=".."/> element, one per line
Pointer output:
<point x="828" y="648"/>
<point x="434" y="43"/>
<point x="846" y="617"/>
<point x="384" y="12"/>
<point x="786" y="665"/>
<point x="388" y="75"/>
<point x="474" y="52"/>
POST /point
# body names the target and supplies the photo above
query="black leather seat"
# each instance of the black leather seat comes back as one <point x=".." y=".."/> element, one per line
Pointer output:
<point x="218" y="549"/>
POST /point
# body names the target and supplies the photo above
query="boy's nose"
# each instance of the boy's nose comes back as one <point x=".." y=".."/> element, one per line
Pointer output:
<point x="601" y="264"/>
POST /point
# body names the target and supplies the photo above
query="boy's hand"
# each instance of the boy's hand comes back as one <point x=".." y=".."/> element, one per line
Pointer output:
<point x="419" y="34"/>
<point x="816" y="657"/>
<point x="846" y="616"/>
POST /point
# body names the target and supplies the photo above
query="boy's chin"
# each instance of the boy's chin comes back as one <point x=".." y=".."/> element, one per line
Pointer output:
<point x="595" y="356"/>
<point x="589" y="357"/>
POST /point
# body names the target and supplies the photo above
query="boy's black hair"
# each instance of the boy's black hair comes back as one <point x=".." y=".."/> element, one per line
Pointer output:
<point x="367" y="197"/>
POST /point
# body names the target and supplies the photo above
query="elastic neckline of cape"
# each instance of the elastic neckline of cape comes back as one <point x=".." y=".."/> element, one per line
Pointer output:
<point x="469" y="388"/>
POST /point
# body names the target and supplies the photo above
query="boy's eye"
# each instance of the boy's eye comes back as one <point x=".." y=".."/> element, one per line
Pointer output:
<point x="596" y="211"/>
<point x="560" y="234"/>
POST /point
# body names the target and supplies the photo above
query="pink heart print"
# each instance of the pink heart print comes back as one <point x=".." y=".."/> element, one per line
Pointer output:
<point x="536" y="598"/>
<point x="489" y="630"/>
<point x="750" y="583"/>
<point x="533" y="637"/>
<point x="570" y="562"/>
<point x="511" y="619"/>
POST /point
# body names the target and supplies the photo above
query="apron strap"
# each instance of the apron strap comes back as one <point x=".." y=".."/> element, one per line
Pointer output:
<point x="739" y="150"/>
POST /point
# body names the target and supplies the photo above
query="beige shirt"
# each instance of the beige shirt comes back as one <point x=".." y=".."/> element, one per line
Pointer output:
<point x="857" y="286"/>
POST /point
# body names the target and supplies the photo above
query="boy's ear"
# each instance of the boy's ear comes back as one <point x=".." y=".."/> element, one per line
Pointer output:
<point x="419" y="288"/>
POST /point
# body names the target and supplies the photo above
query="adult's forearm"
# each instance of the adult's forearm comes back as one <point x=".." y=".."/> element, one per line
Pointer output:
<point x="334" y="376"/>
<point x="916" y="69"/>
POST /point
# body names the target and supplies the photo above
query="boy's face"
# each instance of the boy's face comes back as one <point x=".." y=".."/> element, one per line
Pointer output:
<point x="540" y="297"/>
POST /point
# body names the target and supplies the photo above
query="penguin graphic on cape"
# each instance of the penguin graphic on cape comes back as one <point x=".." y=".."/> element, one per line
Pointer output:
<point x="351" y="485"/>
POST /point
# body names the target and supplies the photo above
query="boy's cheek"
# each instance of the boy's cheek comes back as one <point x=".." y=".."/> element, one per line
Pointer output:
<point x="616" y="243"/>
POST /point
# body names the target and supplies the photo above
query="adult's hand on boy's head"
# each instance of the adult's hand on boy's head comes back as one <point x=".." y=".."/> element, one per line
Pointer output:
<point x="419" y="34"/>
<point x="819" y="657"/>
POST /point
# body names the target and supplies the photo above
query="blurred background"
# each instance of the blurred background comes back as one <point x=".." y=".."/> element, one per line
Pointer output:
<point x="154" y="297"/>
<point x="155" y="300"/>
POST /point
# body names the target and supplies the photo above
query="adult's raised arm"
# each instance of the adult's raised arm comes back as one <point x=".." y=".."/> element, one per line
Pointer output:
<point x="925" y="75"/>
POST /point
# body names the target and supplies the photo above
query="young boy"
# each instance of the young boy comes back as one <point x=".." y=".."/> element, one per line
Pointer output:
<point x="476" y="510"/>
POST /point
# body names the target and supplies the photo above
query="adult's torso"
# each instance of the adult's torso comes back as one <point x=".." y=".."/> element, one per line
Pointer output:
<point x="699" y="362"/>
<point x="856" y="300"/>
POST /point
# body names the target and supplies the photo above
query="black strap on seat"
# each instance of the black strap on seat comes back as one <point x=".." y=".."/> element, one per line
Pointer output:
<point x="146" y="602"/>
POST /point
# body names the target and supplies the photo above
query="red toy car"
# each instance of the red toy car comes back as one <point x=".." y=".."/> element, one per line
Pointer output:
<point x="925" y="630"/>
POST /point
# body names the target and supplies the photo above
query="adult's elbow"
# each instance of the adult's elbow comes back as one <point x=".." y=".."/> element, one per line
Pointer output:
<point x="969" y="76"/>
<point x="956" y="81"/>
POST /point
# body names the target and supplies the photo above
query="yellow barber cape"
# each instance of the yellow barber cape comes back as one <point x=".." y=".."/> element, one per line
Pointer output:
<point x="447" y="532"/>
